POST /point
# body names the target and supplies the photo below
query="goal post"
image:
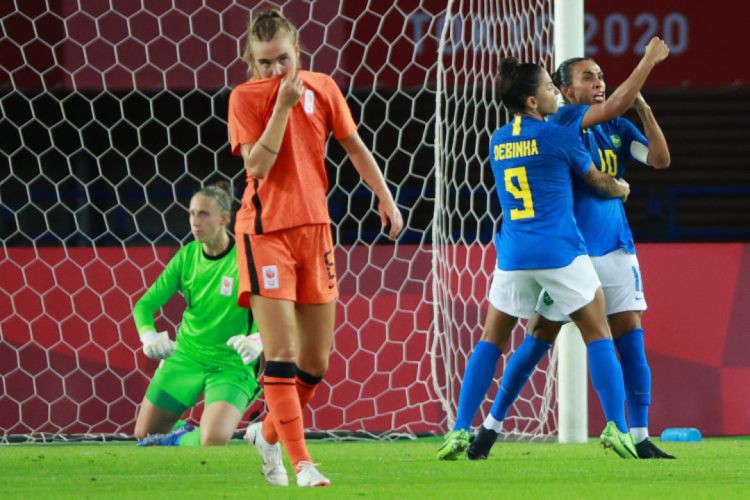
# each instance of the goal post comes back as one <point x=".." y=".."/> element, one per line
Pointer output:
<point x="572" y="367"/>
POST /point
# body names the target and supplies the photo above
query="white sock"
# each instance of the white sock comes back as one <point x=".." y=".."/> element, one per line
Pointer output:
<point x="639" y="434"/>
<point x="492" y="423"/>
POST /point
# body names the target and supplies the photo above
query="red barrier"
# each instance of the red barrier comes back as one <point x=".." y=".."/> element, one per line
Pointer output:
<point x="698" y="348"/>
<point x="70" y="359"/>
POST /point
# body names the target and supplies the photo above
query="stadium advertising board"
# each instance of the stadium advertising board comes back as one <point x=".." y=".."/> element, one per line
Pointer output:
<point x="705" y="45"/>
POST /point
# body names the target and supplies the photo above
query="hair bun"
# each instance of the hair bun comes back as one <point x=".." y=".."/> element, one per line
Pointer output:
<point x="223" y="185"/>
<point x="270" y="13"/>
<point x="509" y="67"/>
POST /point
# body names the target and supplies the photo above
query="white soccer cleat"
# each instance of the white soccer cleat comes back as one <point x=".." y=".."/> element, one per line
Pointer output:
<point x="273" y="467"/>
<point x="308" y="475"/>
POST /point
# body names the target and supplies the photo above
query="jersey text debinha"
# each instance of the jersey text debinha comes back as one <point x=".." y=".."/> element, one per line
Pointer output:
<point x="518" y="149"/>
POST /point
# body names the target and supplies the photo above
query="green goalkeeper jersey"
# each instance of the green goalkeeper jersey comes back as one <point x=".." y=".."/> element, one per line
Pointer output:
<point x="209" y="285"/>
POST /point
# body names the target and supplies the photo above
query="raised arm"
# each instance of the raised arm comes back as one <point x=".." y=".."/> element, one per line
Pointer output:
<point x="622" y="98"/>
<point x="368" y="169"/>
<point x="605" y="185"/>
<point x="658" y="151"/>
<point x="261" y="156"/>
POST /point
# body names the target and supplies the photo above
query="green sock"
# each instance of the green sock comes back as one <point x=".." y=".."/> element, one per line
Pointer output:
<point x="192" y="438"/>
<point x="178" y="424"/>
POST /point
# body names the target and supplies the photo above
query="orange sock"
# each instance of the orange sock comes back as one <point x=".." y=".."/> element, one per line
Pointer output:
<point x="285" y="412"/>
<point x="305" y="392"/>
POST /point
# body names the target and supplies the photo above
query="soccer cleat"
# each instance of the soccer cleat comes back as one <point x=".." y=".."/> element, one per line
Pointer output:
<point x="620" y="442"/>
<point x="308" y="475"/>
<point x="169" y="439"/>
<point x="454" y="445"/>
<point x="647" y="449"/>
<point x="479" y="449"/>
<point x="273" y="467"/>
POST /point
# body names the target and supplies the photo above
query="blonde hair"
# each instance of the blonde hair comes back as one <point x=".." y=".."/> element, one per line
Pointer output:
<point x="221" y="192"/>
<point x="263" y="27"/>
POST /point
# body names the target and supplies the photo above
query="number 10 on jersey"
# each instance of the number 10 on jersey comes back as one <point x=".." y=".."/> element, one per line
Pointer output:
<point x="520" y="192"/>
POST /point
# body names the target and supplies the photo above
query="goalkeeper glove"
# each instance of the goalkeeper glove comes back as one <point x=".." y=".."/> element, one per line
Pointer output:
<point x="157" y="345"/>
<point x="249" y="347"/>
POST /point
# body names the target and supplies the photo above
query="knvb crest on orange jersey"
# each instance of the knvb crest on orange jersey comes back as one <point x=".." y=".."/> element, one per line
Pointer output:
<point x="270" y="277"/>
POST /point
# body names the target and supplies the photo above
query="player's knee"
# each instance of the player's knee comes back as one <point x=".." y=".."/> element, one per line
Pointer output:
<point x="498" y="328"/>
<point x="214" y="437"/>
<point x="593" y="334"/>
<point x="316" y="367"/>
<point x="591" y="331"/>
<point x="624" y="322"/>
<point x="497" y="337"/>
<point x="140" y="431"/>
<point x="313" y="363"/>
<point x="282" y="354"/>
<point x="548" y="335"/>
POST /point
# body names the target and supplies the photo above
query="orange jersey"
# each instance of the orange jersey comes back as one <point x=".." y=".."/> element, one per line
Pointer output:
<point x="293" y="193"/>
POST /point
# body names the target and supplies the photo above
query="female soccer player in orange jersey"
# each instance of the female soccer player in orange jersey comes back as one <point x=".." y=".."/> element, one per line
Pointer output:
<point x="279" y="122"/>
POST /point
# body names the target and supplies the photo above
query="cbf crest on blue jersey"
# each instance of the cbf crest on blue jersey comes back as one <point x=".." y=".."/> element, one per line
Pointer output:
<point x="602" y="221"/>
<point x="532" y="162"/>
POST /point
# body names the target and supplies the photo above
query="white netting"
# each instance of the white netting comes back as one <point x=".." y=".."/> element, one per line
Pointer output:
<point x="475" y="37"/>
<point x="113" y="113"/>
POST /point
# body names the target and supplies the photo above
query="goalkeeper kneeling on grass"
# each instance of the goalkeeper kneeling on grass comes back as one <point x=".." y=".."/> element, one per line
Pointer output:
<point x="217" y="348"/>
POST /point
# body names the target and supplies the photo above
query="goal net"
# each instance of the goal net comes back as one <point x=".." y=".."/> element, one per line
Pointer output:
<point x="475" y="37"/>
<point x="114" y="113"/>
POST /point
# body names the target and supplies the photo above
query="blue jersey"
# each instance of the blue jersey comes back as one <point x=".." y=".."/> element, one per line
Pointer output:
<point x="602" y="221"/>
<point x="532" y="161"/>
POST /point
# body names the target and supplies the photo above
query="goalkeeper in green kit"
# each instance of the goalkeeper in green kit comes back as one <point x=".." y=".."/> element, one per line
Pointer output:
<point x="217" y="348"/>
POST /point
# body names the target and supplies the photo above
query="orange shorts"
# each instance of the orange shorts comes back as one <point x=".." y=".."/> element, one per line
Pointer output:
<point x="294" y="264"/>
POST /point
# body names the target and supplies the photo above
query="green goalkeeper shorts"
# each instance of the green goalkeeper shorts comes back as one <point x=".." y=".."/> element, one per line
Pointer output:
<point x="179" y="382"/>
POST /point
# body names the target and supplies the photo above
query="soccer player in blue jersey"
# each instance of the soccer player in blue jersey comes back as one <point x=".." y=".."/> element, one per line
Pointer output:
<point x="608" y="240"/>
<point x="539" y="245"/>
<point x="481" y="367"/>
<point x="605" y="228"/>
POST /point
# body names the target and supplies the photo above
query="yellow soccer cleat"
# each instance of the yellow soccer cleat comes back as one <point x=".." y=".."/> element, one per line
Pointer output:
<point x="620" y="442"/>
<point x="454" y="445"/>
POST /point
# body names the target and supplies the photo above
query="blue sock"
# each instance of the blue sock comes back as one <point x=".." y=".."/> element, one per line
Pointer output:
<point x="606" y="377"/>
<point x="477" y="379"/>
<point x="520" y="366"/>
<point x="637" y="375"/>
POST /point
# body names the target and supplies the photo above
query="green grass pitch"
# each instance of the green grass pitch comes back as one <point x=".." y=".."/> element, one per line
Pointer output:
<point x="714" y="468"/>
